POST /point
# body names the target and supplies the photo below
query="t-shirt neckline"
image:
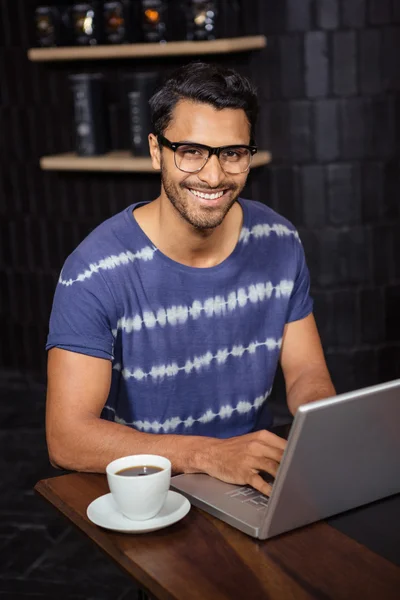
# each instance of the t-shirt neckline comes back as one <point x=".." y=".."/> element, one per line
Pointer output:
<point x="177" y="265"/>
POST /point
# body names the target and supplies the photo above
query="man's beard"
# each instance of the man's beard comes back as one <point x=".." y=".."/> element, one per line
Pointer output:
<point x="199" y="217"/>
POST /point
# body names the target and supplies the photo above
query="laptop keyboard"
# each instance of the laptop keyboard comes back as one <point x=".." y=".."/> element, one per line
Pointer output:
<point x="248" y="495"/>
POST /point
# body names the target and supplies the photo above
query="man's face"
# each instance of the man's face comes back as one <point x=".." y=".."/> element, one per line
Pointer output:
<point x="203" y="124"/>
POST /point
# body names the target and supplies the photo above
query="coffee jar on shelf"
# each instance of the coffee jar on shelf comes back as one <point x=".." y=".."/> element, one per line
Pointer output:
<point x="140" y="88"/>
<point x="52" y="25"/>
<point x="90" y="114"/>
<point x="86" y="20"/>
<point x="136" y="21"/>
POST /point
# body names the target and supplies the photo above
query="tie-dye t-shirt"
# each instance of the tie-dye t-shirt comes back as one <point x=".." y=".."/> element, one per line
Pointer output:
<point x="193" y="350"/>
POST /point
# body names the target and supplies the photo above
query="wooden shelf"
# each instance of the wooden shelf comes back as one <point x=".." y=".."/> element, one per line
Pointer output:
<point x="222" y="46"/>
<point x="122" y="161"/>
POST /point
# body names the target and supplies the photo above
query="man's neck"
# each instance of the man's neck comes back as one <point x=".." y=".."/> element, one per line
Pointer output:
<point x="183" y="243"/>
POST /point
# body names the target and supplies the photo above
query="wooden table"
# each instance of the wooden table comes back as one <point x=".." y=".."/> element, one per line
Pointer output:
<point x="203" y="558"/>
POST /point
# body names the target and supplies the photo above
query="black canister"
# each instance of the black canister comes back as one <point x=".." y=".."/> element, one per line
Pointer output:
<point x="91" y="118"/>
<point x="201" y="19"/>
<point x="117" y="22"/>
<point x="141" y="87"/>
<point x="52" y="26"/>
<point x="212" y="19"/>
<point x="86" y="23"/>
<point x="151" y="20"/>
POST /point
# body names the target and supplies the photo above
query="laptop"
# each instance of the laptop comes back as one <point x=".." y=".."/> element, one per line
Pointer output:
<point x="342" y="452"/>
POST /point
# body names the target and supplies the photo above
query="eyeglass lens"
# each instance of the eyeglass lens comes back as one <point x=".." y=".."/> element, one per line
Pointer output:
<point x="233" y="160"/>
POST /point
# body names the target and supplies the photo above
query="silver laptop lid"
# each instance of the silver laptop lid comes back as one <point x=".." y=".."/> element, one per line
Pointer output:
<point x="342" y="452"/>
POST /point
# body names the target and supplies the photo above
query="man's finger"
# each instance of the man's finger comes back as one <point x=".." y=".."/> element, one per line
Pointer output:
<point x="272" y="453"/>
<point x="266" y="465"/>
<point x="258" y="483"/>
<point x="259" y="449"/>
<point x="271" y="439"/>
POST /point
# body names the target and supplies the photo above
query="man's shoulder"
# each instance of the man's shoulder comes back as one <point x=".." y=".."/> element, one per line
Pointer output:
<point x="262" y="214"/>
<point x="111" y="244"/>
<point x="106" y="238"/>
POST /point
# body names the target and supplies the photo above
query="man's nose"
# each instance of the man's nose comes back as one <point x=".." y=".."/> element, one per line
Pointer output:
<point x="212" y="172"/>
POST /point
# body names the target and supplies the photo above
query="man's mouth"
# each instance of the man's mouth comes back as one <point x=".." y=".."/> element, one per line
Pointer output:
<point x="208" y="195"/>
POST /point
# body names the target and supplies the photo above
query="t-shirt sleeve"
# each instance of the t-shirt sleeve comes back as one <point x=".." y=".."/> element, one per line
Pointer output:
<point x="300" y="303"/>
<point x="83" y="310"/>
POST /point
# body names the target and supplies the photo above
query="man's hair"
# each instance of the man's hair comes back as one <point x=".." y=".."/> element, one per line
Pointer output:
<point x="206" y="84"/>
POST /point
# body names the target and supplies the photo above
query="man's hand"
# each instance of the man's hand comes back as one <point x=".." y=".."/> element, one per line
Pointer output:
<point x="240" y="459"/>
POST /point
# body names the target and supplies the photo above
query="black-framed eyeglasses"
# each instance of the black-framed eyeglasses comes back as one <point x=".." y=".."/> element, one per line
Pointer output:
<point x="191" y="158"/>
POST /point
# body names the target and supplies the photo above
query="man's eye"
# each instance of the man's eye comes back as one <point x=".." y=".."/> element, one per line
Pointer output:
<point x="235" y="154"/>
<point x="232" y="155"/>
<point x="192" y="151"/>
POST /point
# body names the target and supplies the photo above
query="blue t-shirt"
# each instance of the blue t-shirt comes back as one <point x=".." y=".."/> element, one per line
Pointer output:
<point x="193" y="350"/>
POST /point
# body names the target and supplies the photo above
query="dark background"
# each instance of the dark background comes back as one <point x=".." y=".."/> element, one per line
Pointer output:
<point x="329" y="85"/>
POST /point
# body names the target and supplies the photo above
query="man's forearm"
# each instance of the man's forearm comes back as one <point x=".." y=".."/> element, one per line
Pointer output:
<point x="93" y="443"/>
<point x="310" y="386"/>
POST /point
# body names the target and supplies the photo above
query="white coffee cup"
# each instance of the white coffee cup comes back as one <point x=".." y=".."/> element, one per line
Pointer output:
<point x="139" y="497"/>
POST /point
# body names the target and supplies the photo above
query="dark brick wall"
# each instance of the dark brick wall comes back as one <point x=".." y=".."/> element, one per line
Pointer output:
<point x="329" y="85"/>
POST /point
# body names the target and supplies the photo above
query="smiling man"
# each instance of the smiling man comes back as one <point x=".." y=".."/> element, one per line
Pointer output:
<point x="170" y="318"/>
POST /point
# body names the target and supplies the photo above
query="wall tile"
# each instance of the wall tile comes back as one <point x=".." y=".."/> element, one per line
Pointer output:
<point x="344" y="194"/>
<point x="6" y="252"/>
<point x="285" y="192"/>
<point x="372" y="190"/>
<point x="298" y="15"/>
<point x="300" y="130"/>
<point x="291" y="49"/>
<point x="389" y="362"/>
<point x="396" y="11"/>
<point x="391" y="58"/>
<point x="326" y="130"/>
<point x="328" y="14"/>
<point x="340" y="365"/>
<point x="339" y="316"/>
<point x="344" y="318"/>
<point x="372" y="315"/>
<point x="391" y="190"/>
<point x="370" y="42"/>
<point x="353" y="113"/>
<point x="379" y="12"/>
<point x="392" y="303"/>
<point x="313" y="188"/>
<point x="4" y="295"/>
<point x="344" y="256"/>
<point x="344" y="63"/>
<point x="365" y="368"/>
<point x="317" y="65"/>
<point x="383" y="254"/>
<point x="280" y="139"/>
<point x="382" y="132"/>
<point x="272" y="16"/>
<point x="353" y="13"/>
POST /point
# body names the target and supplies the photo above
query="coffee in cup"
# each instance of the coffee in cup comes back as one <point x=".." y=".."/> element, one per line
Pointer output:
<point x="139" y="471"/>
<point x="139" y="484"/>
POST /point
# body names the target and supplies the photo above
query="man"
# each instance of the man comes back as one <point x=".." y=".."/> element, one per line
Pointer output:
<point x="169" y="319"/>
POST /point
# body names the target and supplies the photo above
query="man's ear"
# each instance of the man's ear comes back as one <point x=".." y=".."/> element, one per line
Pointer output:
<point x="154" y="152"/>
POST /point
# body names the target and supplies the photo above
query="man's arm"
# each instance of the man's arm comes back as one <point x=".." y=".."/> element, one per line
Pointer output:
<point x="303" y="364"/>
<point x="78" y="439"/>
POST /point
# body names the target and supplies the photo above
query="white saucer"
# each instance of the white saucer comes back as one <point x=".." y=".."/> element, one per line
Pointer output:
<point x="104" y="512"/>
